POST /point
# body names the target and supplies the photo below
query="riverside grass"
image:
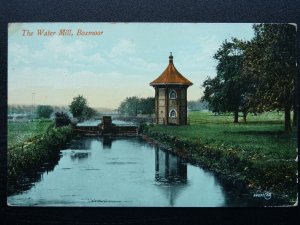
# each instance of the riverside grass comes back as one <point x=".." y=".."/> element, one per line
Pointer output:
<point x="40" y="143"/>
<point x="18" y="132"/>
<point x="257" y="152"/>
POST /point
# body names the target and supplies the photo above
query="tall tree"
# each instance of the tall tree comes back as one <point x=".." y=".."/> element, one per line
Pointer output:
<point x="227" y="92"/>
<point x="78" y="106"/>
<point x="270" y="61"/>
<point x="130" y="106"/>
<point x="80" y="109"/>
<point x="147" y="105"/>
<point x="213" y="94"/>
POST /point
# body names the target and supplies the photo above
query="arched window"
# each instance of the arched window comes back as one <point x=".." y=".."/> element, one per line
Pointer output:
<point x="172" y="94"/>
<point x="173" y="113"/>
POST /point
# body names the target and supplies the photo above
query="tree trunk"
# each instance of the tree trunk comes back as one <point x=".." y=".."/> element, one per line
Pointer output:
<point x="236" y="116"/>
<point x="287" y="119"/>
<point x="245" y="116"/>
<point x="295" y="116"/>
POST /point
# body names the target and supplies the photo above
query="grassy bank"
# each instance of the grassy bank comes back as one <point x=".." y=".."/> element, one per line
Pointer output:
<point x="33" y="152"/>
<point x="18" y="132"/>
<point x="259" y="153"/>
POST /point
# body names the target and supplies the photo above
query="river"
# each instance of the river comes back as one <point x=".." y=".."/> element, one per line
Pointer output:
<point x="97" y="171"/>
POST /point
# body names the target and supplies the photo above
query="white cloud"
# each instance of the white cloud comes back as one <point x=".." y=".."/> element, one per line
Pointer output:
<point x="56" y="52"/>
<point x="123" y="46"/>
<point x="58" y="46"/>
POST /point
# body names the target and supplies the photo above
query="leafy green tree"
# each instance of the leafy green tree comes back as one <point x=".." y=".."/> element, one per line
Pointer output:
<point x="89" y="112"/>
<point x="78" y="107"/>
<point x="147" y="105"/>
<point x="227" y="92"/>
<point x="213" y="94"/>
<point x="44" y="111"/>
<point x="270" y="64"/>
<point x="132" y="106"/>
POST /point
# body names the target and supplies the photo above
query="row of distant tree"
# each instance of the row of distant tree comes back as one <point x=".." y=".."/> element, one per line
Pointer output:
<point x="257" y="75"/>
<point x="197" y="105"/>
<point x="27" y="109"/>
<point x="78" y="107"/>
<point x="132" y="106"/>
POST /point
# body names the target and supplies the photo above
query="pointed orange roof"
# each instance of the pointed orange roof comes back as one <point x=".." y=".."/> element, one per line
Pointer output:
<point x="171" y="76"/>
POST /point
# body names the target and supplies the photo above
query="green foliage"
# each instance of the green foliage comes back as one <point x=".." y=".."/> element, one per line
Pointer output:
<point x="18" y="132"/>
<point x="132" y="106"/>
<point x="270" y="64"/>
<point x="62" y="119"/>
<point x="147" y="105"/>
<point x="80" y="109"/>
<point x="78" y="106"/>
<point x="89" y="112"/>
<point x="256" y="76"/>
<point x="228" y="92"/>
<point x="44" y="111"/>
<point x="34" y="152"/>
<point x="19" y="108"/>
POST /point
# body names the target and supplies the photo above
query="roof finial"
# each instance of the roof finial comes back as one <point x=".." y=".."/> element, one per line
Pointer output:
<point x="170" y="58"/>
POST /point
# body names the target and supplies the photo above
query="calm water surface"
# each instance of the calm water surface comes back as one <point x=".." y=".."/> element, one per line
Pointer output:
<point x="125" y="172"/>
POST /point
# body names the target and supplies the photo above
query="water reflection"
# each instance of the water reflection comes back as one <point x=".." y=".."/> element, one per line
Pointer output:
<point x="107" y="142"/>
<point x="169" y="168"/>
<point x="171" y="174"/>
<point x="79" y="156"/>
<point x="123" y="176"/>
<point x="81" y="145"/>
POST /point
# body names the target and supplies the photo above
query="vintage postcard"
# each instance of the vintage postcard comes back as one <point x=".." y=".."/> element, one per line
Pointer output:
<point x="152" y="115"/>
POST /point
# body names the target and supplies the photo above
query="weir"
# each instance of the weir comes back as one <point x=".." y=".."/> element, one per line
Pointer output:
<point x="107" y="127"/>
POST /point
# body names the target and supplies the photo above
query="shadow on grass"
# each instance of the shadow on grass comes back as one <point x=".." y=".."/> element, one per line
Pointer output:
<point x="265" y="122"/>
<point x="259" y="133"/>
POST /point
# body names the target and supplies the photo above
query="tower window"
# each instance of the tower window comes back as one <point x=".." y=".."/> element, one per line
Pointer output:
<point x="173" y="113"/>
<point x="172" y="94"/>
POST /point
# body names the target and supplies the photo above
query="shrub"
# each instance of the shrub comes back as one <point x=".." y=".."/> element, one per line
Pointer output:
<point x="62" y="119"/>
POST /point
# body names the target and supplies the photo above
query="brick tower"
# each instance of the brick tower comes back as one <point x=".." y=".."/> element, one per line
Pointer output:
<point x="171" y="96"/>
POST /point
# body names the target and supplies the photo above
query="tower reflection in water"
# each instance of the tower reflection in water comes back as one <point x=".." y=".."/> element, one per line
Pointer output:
<point x="170" y="175"/>
<point x="169" y="168"/>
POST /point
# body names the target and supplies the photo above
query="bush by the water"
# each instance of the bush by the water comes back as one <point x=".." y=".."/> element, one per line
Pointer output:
<point x="36" y="151"/>
<point x="62" y="119"/>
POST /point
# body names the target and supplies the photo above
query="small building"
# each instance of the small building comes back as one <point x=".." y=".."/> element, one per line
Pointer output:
<point x="171" y="96"/>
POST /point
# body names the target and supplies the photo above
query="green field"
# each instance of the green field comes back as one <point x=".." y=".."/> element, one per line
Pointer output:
<point x="263" y="118"/>
<point x="18" y="132"/>
<point x="261" y="137"/>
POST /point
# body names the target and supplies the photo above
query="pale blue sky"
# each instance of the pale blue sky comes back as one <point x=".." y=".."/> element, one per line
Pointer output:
<point x="120" y="63"/>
